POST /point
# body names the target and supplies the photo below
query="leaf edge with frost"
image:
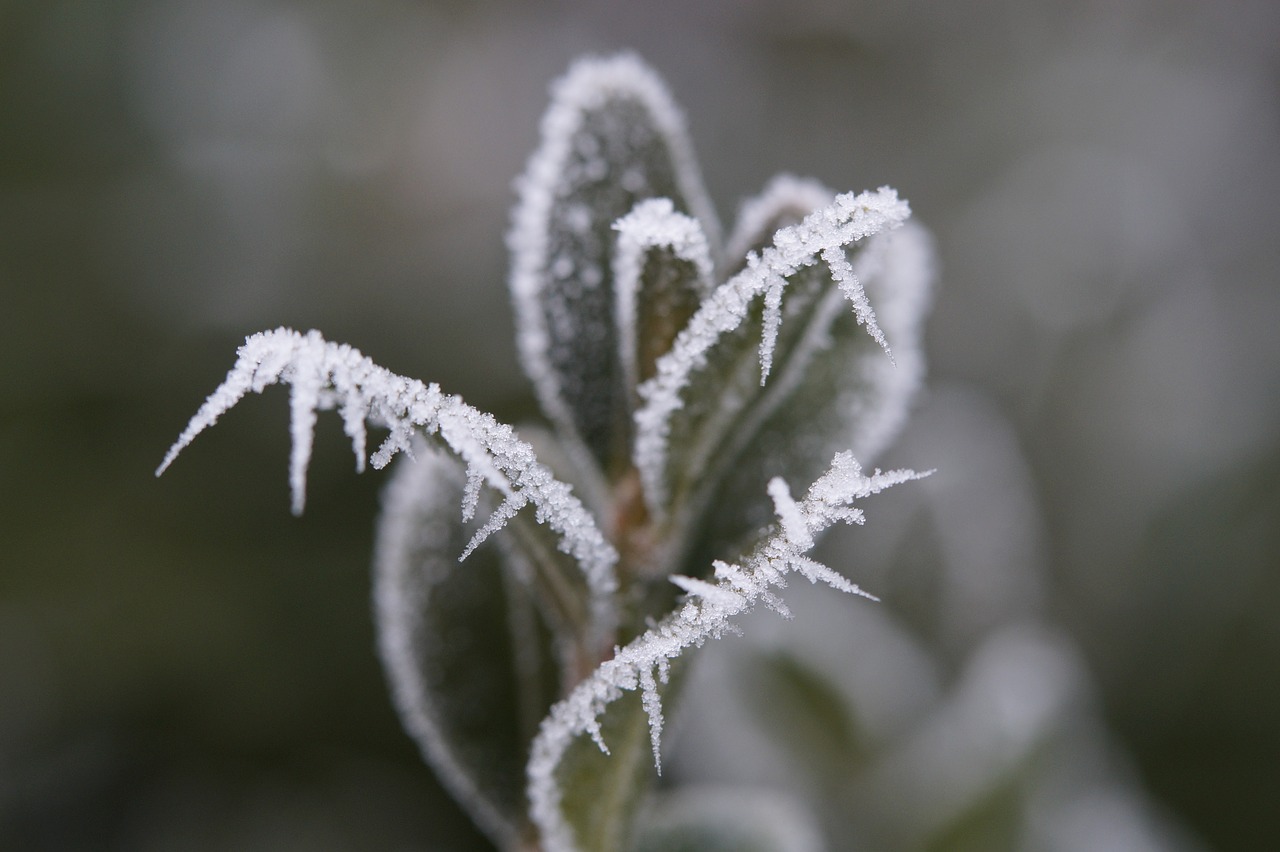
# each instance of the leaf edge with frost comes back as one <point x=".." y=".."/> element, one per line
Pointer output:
<point x="587" y="83"/>
<point x="707" y="613"/>
<point x="324" y="375"/>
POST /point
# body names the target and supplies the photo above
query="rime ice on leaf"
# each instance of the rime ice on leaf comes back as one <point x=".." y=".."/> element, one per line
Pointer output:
<point x="328" y="375"/>
<point x="698" y="405"/>
<point x="611" y="139"/>
<point x="839" y="389"/>
<point x="676" y="403"/>
<point x="662" y="271"/>
<point x="707" y="613"/>
<point x="435" y="619"/>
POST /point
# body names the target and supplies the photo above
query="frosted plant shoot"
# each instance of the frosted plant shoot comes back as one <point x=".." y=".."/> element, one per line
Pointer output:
<point x="689" y="387"/>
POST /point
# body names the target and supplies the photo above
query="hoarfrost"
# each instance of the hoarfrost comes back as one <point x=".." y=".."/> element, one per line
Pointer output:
<point x="821" y="235"/>
<point x="551" y="210"/>
<point x="707" y="613"/>
<point x="326" y="375"/>
<point x="652" y="224"/>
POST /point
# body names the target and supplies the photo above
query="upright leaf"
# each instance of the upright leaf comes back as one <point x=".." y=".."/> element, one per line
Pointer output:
<point x="611" y="138"/>
<point x="662" y="272"/>
<point x="842" y="393"/>
<point x="709" y="397"/>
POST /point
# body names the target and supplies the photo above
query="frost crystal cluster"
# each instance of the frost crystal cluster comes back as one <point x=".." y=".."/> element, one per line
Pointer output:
<point x="688" y="384"/>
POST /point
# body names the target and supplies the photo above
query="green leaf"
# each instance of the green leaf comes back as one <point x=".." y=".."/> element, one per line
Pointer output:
<point x="724" y="404"/>
<point x="662" y="271"/>
<point x="468" y="656"/>
<point x="728" y="427"/>
<point x="601" y="792"/>
<point x="611" y="138"/>
<point x="833" y="386"/>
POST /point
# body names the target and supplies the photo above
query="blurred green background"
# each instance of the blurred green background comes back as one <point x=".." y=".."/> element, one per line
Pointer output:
<point x="185" y="665"/>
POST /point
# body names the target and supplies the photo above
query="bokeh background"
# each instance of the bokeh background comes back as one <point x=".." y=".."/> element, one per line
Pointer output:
<point x="185" y="665"/>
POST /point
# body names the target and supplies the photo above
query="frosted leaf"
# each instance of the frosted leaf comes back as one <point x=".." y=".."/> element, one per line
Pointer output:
<point x="435" y="619"/>
<point x="703" y="615"/>
<point x="826" y="232"/>
<point x="711" y="422"/>
<point x="337" y="375"/>
<point x="841" y="393"/>
<point x="662" y="270"/>
<point x="704" y="403"/>
<point x="611" y="138"/>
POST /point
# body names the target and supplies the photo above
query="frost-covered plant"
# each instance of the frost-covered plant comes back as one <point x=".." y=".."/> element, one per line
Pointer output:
<point x="686" y="386"/>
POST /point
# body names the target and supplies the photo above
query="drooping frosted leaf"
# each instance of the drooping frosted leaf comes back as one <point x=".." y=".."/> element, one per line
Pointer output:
<point x="709" y="611"/>
<point x="327" y="375"/>
<point x="727" y="820"/>
<point x="469" y="662"/>
<point x="845" y="392"/>
<point x="706" y="402"/>
<point x="662" y="271"/>
<point x="611" y="138"/>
